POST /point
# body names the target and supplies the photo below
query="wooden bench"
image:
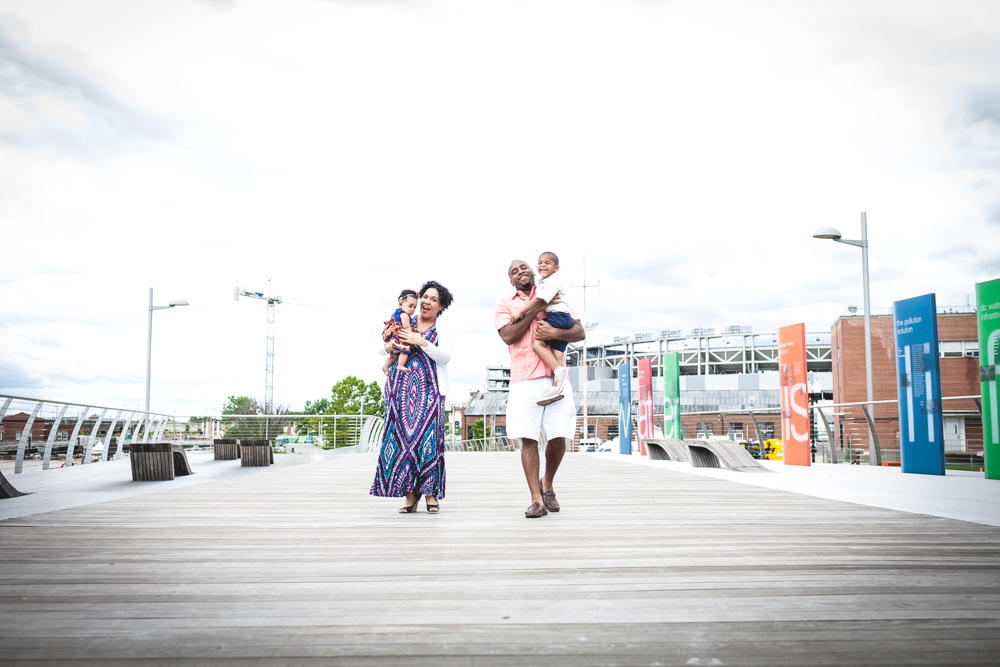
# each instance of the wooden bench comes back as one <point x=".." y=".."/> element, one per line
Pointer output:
<point x="7" y="490"/>
<point x="667" y="450"/>
<point x="226" y="450"/>
<point x="158" y="461"/>
<point x="255" y="453"/>
<point x="112" y="449"/>
<point x="714" y="453"/>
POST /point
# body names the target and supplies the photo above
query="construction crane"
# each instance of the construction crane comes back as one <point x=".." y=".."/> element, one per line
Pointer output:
<point x="269" y="363"/>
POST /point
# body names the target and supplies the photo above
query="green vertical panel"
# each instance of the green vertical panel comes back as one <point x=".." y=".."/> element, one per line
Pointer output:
<point x="988" y="317"/>
<point x="672" y="396"/>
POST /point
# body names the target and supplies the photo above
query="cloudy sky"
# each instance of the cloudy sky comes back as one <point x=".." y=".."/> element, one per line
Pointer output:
<point x="346" y="150"/>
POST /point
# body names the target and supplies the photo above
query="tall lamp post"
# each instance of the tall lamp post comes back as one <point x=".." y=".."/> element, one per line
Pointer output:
<point x="586" y="374"/>
<point x="834" y="235"/>
<point x="149" y="342"/>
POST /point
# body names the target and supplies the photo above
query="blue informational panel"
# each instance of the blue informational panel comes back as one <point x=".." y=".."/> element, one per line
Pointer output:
<point x="624" y="409"/>
<point x="918" y="382"/>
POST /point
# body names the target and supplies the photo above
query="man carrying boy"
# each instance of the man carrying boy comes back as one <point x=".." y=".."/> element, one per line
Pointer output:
<point x="550" y="295"/>
<point x="530" y="378"/>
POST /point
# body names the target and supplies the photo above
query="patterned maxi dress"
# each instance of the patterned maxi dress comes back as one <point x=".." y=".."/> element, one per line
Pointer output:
<point x="412" y="454"/>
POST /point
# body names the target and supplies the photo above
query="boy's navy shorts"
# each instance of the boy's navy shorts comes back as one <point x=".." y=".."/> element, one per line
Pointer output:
<point x="559" y="321"/>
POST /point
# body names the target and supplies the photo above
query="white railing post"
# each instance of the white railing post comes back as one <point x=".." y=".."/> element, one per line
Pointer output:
<point x="53" y="432"/>
<point x="111" y="433"/>
<point x="22" y="442"/>
<point x="93" y="436"/>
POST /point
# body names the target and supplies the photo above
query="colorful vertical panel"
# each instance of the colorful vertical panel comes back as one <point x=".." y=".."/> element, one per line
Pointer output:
<point x="918" y="386"/>
<point x="672" y="396"/>
<point x="988" y="320"/>
<point x="645" y="403"/>
<point x="624" y="409"/>
<point x="794" y="395"/>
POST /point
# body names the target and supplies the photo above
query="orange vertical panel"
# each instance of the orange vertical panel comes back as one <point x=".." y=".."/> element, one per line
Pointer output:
<point x="794" y="395"/>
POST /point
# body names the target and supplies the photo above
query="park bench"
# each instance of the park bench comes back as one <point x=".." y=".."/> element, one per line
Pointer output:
<point x="158" y="461"/>
<point x="254" y="453"/>
<point x="7" y="490"/>
<point x="714" y="453"/>
<point x="226" y="449"/>
<point x="667" y="450"/>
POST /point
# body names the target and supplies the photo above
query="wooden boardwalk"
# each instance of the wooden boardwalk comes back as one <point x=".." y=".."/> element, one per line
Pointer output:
<point x="644" y="566"/>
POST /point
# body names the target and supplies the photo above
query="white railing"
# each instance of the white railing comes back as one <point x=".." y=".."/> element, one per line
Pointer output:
<point x="79" y="433"/>
<point x="37" y="428"/>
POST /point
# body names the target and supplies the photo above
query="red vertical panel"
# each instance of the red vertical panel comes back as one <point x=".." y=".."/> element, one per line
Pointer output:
<point x="794" y="394"/>
<point x="645" y="403"/>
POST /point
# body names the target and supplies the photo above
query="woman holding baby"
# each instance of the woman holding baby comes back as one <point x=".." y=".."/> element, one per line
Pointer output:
<point x="411" y="461"/>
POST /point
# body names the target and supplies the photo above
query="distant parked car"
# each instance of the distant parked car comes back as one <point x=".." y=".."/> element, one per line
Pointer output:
<point x="608" y="447"/>
<point x="589" y="444"/>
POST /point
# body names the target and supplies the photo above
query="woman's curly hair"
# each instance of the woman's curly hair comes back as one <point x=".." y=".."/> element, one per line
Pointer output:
<point x="444" y="295"/>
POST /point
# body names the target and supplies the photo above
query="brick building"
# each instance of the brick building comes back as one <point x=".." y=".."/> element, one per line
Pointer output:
<point x="12" y="426"/>
<point x="959" y="357"/>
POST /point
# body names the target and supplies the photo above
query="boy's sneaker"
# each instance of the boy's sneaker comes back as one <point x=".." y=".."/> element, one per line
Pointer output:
<point x="551" y="395"/>
<point x="557" y="391"/>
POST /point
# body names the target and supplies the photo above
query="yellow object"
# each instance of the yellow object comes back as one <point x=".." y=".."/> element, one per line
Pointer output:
<point x="772" y="450"/>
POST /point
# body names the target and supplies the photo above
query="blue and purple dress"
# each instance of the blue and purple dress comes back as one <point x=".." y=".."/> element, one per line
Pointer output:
<point x="412" y="454"/>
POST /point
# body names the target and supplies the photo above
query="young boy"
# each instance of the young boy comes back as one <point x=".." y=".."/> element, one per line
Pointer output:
<point x="401" y="320"/>
<point x="557" y="315"/>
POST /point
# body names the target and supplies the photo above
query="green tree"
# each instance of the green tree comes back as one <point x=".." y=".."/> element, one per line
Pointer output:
<point x="350" y="396"/>
<point x="251" y="429"/>
<point x="320" y="406"/>
<point x="476" y="430"/>
<point x="241" y="405"/>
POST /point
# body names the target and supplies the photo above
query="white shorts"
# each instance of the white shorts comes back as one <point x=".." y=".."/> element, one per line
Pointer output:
<point x="526" y="419"/>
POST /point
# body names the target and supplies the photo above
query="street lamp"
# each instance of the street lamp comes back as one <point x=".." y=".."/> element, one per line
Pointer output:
<point x="833" y="234"/>
<point x="149" y="344"/>
<point x="587" y="326"/>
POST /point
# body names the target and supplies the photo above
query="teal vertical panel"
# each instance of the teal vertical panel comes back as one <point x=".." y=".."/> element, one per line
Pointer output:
<point x="625" y="409"/>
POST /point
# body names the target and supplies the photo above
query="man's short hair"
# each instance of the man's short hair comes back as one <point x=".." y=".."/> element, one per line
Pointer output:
<point x="555" y="257"/>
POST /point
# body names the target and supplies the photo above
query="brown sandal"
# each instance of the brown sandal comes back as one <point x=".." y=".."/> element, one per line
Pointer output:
<point x="535" y="510"/>
<point x="548" y="498"/>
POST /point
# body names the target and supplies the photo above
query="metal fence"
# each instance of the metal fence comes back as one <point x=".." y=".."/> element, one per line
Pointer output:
<point x="326" y="431"/>
<point x="499" y="443"/>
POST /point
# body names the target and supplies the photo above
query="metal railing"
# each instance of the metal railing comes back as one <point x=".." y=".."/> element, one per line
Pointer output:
<point x="33" y="429"/>
<point x="329" y="431"/>
<point x="826" y="450"/>
<point x="498" y="443"/>
<point x="875" y="452"/>
<point x="40" y="428"/>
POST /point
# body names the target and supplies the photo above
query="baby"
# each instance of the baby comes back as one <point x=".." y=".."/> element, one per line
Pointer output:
<point x="401" y="320"/>
<point x="557" y="315"/>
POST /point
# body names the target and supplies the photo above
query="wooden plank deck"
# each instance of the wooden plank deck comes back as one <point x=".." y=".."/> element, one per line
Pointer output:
<point x="644" y="566"/>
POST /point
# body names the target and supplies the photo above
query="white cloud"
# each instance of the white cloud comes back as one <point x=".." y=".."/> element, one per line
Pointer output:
<point x="347" y="150"/>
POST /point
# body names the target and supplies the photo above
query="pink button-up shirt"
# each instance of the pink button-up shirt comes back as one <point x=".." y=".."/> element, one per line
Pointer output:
<point x="524" y="363"/>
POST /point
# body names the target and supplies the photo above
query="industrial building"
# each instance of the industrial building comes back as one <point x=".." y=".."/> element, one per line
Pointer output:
<point x="736" y="370"/>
